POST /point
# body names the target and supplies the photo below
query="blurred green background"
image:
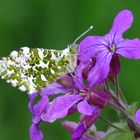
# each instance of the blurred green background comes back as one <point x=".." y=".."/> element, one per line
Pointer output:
<point x="54" y="24"/>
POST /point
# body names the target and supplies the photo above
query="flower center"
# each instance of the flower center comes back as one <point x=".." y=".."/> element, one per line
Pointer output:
<point x="112" y="48"/>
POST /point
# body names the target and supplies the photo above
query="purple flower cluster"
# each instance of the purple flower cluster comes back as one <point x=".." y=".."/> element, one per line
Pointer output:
<point x="85" y="90"/>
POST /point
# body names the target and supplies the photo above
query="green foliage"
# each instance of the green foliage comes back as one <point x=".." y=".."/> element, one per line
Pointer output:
<point x="132" y="108"/>
<point x="113" y="134"/>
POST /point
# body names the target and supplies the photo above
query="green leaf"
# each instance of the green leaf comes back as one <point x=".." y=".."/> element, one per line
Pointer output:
<point x="113" y="134"/>
<point x="119" y="136"/>
<point x="132" y="108"/>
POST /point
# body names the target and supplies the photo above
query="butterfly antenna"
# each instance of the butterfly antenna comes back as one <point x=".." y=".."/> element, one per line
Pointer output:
<point x="90" y="28"/>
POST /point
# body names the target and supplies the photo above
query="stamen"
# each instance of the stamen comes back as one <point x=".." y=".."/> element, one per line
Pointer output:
<point x="112" y="48"/>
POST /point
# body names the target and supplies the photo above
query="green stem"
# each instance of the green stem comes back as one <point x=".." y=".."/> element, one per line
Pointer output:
<point x="107" y="86"/>
<point x="117" y="87"/>
<point x="119" y="107"/>
<point x="111" y="124"/>
<point x="119" y="93"/>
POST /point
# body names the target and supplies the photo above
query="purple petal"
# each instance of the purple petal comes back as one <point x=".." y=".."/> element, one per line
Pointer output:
<point x="85" y="109"/>
<point x="80" y="130"/>
<point x="70" y="126"/>
<point x="137" y="116"/>
<point x="129" y="48"/>
<point x="79" y="76"/>
<point x="53" y="89"/>
<point x="122" y="22"/>
<point x="68" y="82"/>
<point x="31" y="102"/>
<point x="85" y="124"/>
<point x="35" y="133"/>
<point x="40" y="108"/>
<point x="60" y="107"/>
<point x="89" y="47"/>
<point x="89" y="120"/>
<point x="101" y="69"/>
<point x="87" y="138"/>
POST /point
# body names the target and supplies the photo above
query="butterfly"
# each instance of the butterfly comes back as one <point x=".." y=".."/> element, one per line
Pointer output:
<point x="31" y="69"/>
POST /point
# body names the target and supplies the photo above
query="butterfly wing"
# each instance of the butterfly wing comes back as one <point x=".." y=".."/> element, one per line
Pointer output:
<point x="31" y="69"/>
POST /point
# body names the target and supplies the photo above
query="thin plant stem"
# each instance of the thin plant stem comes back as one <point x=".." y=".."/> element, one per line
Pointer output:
<point x="111" y="124"/>
<point x="119" y="107"/>
<point x="107" y="86"/>
<point x="119" y="93"/>
<point x="117" y="87"/>
<point x="123" y="97"/>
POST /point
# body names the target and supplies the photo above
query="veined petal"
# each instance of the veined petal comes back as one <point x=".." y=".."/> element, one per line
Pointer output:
<point x="129" y="48"/>
<point x="53" y="89"/>
<point x="79" y="76"/>
<point x="68" y="82"/>
<point x="39" y="108"/>
<point x="31" y="102"/>
<point x="122" y="22"/>
<point x="35" y="133"/>
<point x="85" y="124"/>
<point x="89" y="47"/>
<point x="60" y="107"/>
<point x="80" y="130"/>
<point x="101" y="69"/>
<point x="85" y="108"/>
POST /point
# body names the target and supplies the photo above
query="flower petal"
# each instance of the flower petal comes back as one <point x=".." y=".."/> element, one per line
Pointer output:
<point x="85" y="124"/>
<point x="31" y="102"/>
<point x="79" y="76"/>
<point x="137" y="116"/>
<point x="80" y="130"/>
<point x="122" y="22"/>
<point x="60" y="107"/>
<point x="70" y="126"/>
<point x="85" y="109"/>
<point x="129" y="48"/>
<point x="53" y="89"/>
<point x="89" y="47"/>
<point x="101" y="69"/>
<point x="68" y="82"/>
<point x="39" y="108"/>
<point x="35" y="133"/>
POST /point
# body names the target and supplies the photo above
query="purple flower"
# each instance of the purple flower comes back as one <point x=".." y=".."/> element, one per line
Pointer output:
<point x="106" y="49"/>
<point x="84" y="125"/>
<point x="37" y="109"/>
<point x="35" y="133"/>
<point x="74" y="98"/>
<point x="137" y="117"/>
<point x="74" y="128"/>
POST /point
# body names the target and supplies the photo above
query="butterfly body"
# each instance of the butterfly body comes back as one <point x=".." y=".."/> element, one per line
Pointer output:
<point x="31" y="69"/>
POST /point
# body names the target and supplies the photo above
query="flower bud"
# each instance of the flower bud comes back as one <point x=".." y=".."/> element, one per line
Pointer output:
<point x="99" y="98"/>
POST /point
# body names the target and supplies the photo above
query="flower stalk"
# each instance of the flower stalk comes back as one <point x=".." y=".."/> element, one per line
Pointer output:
<point x="110" y="124"/>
